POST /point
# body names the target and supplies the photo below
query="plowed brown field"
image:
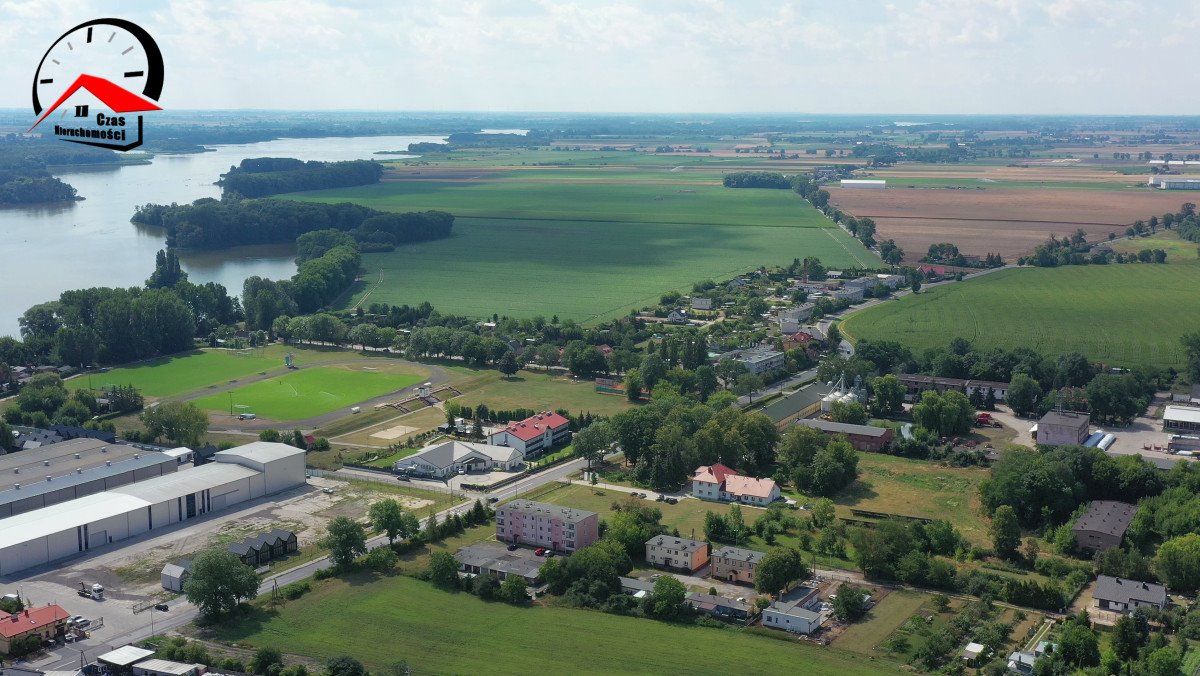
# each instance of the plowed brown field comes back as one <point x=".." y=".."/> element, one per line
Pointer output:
<point x="1008" y="222"/>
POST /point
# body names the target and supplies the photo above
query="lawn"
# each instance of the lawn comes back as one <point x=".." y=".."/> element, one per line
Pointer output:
<point x="184" y="372"/>
<point x="587" y="242"/>
<point x="1122" y="315"/>
<point x="309" y="392"/>
<point x="382" y="620"/>
<point x="1178" y="250"/>
<point x="881" y="621"/>
<point x="896" y="485"/>
<point x="535" y="390"/>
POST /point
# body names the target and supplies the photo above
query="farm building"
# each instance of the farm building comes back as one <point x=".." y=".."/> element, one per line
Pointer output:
<point x="803" y="402"/>
<point x="916" y="384"/>
<point x="861" y="437"/>
<point x="1103" y="526"/>
<point x="451" y="457"/>
<point x="863" y="183"/>
<point x="92" y="521"/>
<point x="720" y="607"/>
<point x="1174" y="183"/>
<point x="1181" y="418"/>
<point x="174" y="575"/>
<point x="534" y="435"/>
<point x="1058" y="428"/>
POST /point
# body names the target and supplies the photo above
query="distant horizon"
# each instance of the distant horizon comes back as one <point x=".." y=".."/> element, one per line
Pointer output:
<point x="999" y="57"/>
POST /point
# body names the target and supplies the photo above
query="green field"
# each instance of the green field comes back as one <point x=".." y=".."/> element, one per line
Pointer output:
<point x="1178" y="250"/>
<point x="535" y="390"/>
<point x="587" y="242"/>
<point x="865" y="635"/>
<point x="383" y="620"/>
<point x="1123" y="315"/>
<point x="185" y="372"/>
<point x="308" y="392"/>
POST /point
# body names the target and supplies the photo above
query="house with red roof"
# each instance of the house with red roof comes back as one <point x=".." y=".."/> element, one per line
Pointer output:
<point x="534" y="435"/>
<point x="45" y="622"/>
<point x="722" y="484"/>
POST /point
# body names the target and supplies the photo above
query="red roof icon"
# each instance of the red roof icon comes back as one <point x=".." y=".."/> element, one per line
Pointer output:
<point x="117" y="98"/>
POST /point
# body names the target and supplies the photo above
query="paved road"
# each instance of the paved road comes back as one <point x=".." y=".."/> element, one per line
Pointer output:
<point x="68" y="656"/>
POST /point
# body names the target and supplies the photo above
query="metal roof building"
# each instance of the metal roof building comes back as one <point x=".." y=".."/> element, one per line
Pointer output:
<point x="76" y="526"/>
<point x="39" y="485"/>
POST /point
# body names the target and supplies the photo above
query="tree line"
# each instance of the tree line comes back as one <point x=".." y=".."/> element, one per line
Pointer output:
<point x="215" y="224"/>
<point x="262" y="176"/>
<point x="756" y="179"/>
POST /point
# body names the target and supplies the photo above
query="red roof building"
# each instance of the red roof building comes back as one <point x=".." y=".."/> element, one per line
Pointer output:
<point x="720" y="483"/>
<point x="535" y="434"/>
<point x="45" y="622"/>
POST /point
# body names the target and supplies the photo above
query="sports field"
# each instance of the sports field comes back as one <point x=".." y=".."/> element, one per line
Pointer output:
<point x="381" y="621"/>
<point x="309" y="392"/>
<point x="535" y="390"/>
<point x="587" y="241"/>
<point x="1122" y="315"/>
<point x="184" y="372"/>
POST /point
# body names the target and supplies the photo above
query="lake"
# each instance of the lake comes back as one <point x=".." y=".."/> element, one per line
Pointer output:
<point x="51" y="248"/>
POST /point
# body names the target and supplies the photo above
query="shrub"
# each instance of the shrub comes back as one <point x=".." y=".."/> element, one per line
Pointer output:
<point x="296" y="590"/>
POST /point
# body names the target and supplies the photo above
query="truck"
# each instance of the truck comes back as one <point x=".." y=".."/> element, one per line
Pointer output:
<point x="96" y="591"/>
<point x="985" y="420"/>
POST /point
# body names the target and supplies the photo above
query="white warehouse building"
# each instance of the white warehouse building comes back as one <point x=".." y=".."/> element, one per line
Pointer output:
<point x="70" y="528"/>
<point x="863" y="183"/>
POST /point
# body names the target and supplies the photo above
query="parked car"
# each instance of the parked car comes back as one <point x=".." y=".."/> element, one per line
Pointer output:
<point x="493" y="500"/>
<point x="161" y="607"/>
<point x="512" y="548"/>
<point x="660" y="498"/>
<point x="549" y="553"/>
<point x="540" y="551"/>
<point x="672" y="501"/>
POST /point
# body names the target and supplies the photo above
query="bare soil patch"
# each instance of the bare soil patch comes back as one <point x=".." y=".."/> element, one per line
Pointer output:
<point x="1008" y="222"/>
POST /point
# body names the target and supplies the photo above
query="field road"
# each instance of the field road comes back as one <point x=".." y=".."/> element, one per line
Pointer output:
<point x="68" y="657"/>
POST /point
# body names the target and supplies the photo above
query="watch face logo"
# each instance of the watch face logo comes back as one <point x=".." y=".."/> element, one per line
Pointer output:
<point x="96" y="80"/>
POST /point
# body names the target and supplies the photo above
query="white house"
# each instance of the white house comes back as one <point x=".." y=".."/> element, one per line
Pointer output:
<point x="791" y="319"/>
<point x="452" y="457"/>
<point x="722" y="484"/>
<point x="795" y="612"/>
<point x="533" y="435"/>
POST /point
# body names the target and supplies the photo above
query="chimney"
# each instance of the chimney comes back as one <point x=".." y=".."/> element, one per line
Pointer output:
<point x="76" y="456"/>
<point x="48" y="477"/>
<point x="45" y="463"/>
<point x="108" y="463"/>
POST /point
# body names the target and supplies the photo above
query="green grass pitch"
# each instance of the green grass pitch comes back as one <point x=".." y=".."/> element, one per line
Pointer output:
<point x="308" y="392"/>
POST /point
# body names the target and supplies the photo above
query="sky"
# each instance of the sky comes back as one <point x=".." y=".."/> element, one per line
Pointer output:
<point x="680" y="56"/>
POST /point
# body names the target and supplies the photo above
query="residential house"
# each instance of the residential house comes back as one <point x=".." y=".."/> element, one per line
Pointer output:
<point x="797" y="612"/>
<point x="792" y="318"/>
<point x="534" y="435"/>
<point x="797" y="339"/>
<point x="734" y="564"/>
<point x="1022" y="662"/>
<point x="677" y="316"/>
<point x="448" y="458"/>
<point x="850" y="293"/>
<point x="1122" y="595"/>
<point x="494" y="559"/>
<point x="892" y="282"/>
<point x="1058" y="428"/>
<point x="45" y="622"/>
<point x="1103" y="526"/>
<point x="540" y="524"/>
<point x="679" y="553"/>
<point x="722" y="484"/>
<point x="720" y="607"/>
<point x="861" y="437"/>
<point x="702" y="303"/>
